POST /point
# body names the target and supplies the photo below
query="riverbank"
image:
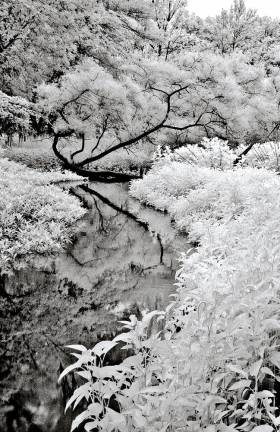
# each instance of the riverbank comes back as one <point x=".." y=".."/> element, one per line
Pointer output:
<point x="36" y="152"/>
<point x="223" y="330"/>
<point x="37" y="216"/>
<point x="113" y="268"/>
<point x="214" y="364"/>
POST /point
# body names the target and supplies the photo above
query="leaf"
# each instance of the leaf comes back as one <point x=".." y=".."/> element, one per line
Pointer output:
<point x="138" y="419"/>
<point x="91" y="425"/>
<point x="263" y="428"/>
<point x="240" y="384"/>
<point x="147" y="317"/>
<point x="130" y="324"/>
<point x="106" y="372"/>
<point x="80" y="391"/>
<point x="237" y="369"/>
<point x="95" y="409"/>
<point x="78" y="356"/>
<point x="77" y="347"/>
<point x="275" y="420"/>
<point x="265" y="394"/>
<point x="255" y="368"/>
<point x="85" y="374"/>
<point x="219" y="377"/>
<point x="213" y="400"/>
<point x="69" y="369"/>
<point x="80" y="419"/>
<point x="116" y="420"/>
<point x="220" y="414"/>
<point x="103" y="347"/>
<point x="267" y="371"/>
<point x="275" y="358"/>
<point x="224" y="428"/>
<point x="272" y="324"/>
<point x="133" y="361"/>
<point x="124" y="337"/>
<point x="77" y="401"/>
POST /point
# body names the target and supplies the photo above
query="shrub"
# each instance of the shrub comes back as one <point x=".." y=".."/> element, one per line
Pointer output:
<point x="214" y="364"/>
<point x="216" y="153"/>
<point x="36" y="216"/>
<point x="266" y="155"/>
<point x="210" y="153"/>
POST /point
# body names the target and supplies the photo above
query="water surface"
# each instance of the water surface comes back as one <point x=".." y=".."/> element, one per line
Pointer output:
<point x="123" y="259"/>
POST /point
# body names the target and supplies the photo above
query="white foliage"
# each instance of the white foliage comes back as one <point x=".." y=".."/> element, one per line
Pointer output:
<point x="35" y="216"/>
<point x="213" y="361"/>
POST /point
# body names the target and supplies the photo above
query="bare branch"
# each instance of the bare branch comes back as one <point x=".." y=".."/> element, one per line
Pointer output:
<point x="81" y="149"/>
<point x="104" y="128"/>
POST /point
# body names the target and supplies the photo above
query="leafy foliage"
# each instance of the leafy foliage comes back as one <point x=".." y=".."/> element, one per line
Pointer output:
<point x="15" y="114"/>
<point x="156" y="101"/>
<point x="211" y="153"/>
<point x="36" y="216"/>
<point x="210" y="361"/>
<point x="118" y="73"/>
<point x="217" y="153"/>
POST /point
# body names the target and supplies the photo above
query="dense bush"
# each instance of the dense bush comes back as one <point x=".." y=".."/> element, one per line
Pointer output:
<point x="211" y="153"/>
<point x="42" y="160"/>
<point x="197" y="198"/>
<point x="214" y="363"/>
<point x="216" y="153"/>
<point x="35" y="216"/>
<point x="266" y="155"/>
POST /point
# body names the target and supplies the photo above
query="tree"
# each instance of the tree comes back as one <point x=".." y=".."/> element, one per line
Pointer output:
<point x="126" y="78"/>
<point x="16" y="115"/>
<point x="167" y="18"/>
<point x="41" y="40"/>
<point x="202" y="95"/>
<point x="32" y="48"/>
<point x="233" y="29"/>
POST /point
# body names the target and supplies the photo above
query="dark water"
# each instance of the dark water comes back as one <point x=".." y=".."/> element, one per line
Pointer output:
<point x="123" y="260"/>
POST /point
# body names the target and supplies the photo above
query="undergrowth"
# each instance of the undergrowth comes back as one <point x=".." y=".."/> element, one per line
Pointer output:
<point x="211" y="360"/>
<point x="36" y="217"/>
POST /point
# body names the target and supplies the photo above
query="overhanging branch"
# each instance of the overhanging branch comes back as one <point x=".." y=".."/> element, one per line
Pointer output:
<point x="102" y="176"/>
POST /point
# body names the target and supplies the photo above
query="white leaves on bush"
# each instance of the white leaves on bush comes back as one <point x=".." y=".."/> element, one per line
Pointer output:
<point x="275" y="358"/>
<point x="36" y="217"/>
<point x="214" y="364"/>
<point x="263" y="428"/>
<point x="240" y="384"/>
<point x="101" y="348"/>
<point x="238" y="370"/>
<point x="255" y="368"/>
<point x="80" y="348"/>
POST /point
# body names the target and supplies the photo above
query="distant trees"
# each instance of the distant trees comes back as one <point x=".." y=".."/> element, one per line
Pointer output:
<point x="41" y="41"/>
<point x="167" y="19"/>
<point x="16" y="116"/>
<point x="241" y="29"/>
<point x="36" y="43"/>
<point x="231" y="30"/>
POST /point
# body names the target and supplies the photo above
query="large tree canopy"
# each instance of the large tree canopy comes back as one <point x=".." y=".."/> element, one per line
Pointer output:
<point x="200" y="95"/>
<point x="112" y="73"/>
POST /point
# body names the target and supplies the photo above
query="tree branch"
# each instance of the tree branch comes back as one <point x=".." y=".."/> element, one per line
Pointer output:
<point x="140" y="136"/>
<point x="104" y="128"/>
<point x="102" y="176"/>
<point x="81" y="149"/>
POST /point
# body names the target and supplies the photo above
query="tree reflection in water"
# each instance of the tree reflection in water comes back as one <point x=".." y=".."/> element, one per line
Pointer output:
<point x="122" y="260"/>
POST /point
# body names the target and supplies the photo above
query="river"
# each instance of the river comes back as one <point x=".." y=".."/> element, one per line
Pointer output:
<point x="122" y="260"/>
